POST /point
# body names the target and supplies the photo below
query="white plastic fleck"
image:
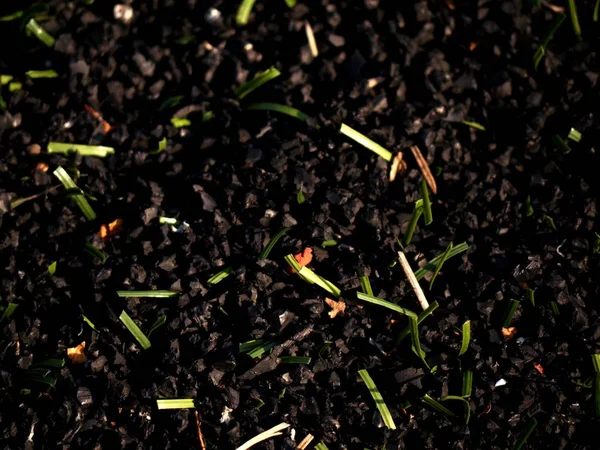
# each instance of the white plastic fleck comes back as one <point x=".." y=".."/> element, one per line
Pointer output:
<point x="500" y="382"/>
<point x="124" y="13"/>
<point x="225" y="417"/>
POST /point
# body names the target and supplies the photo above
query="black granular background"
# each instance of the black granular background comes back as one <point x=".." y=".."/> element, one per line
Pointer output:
<point x="403" y="73"/>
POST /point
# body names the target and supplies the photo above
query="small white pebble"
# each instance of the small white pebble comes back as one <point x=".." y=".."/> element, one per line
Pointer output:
<point x="124" y="13"/>
<point x="500" y="382"/>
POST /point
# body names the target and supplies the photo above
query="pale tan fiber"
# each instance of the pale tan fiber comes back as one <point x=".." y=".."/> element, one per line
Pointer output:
<point x="270" y="433"/>
<point x="305" y="442"/>
<point x="413" y="280"/>
<point x="312" y="43"/>
<point x="424" y="167"/>
<point x="397" y="166"/>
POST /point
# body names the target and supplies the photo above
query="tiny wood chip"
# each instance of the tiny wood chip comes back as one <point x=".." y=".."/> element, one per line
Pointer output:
<point x="336" y="307"/>
<point x="424" y="167"/>
<point x="76" y="354"/>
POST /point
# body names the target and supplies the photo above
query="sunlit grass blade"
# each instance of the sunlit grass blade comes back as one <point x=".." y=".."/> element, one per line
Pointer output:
<point x="381" y="406"/>
<point x="465" y="403"/>
<point x="162" y="146"/>
<point x="574" y="135"/>
<point x="366" y="142"/>
<point x="427" y="214"/>
<point x="412" y="224"/>
<point x="34" y="74"/>
<point x="34" y="28"/>
<point x="84" y="150"/>
<point x="291" y="3"/>
<point x="12" y="16"/>
<point x="282" y="109"/>
<point x="295" y="359"/>
<point x="90" y="323"/>
<point x="386" y="304"/>
<point x="8" y="311"/>
<point x="52" y="268"/>
<point x="300" y="198"/>
<point x="80" y="199"/>
<point x="413" y="323"/>
<point x="596" y="364"/>
<point x="311" y="277"/>
<point x="220" y="276"/>
<point x="5" y="79"/>
<point x="528" y="206"/>
<point x="421" y="317"/>
<point x="95" y="252"/>
<point x="596" y="11"/>
<point x="475" y="125"/>
<point x="135" y="330"/>
<point x="574" y="18"/>
<point x="466" y="338"/>
<point x="445" y="256"/>
<point x="248" y="346"/>
<point x="365" y="285"/>
<point x="528" y="431"/>
<point x="329" y="243"/>
<point x="257" y="82"/>
<point x="321" y="446"/>
<point x="180" y="122"/>
<point x="541" y="50"/>
<point x="530" y="293"/>
<point x="243" y="12"/>
<point x="510" y="312"/>
<point x="15" y="86"/>
<point x="431" y="265"/>
<point x="177" y="403"/>
<point x="267" y="250"/>
<point x="148" y="294"/>
<point x="550" y="221"/>
<point x="159" y="323"/>
<point x="467" y="383"/>
<point x="437" y="406"/>
<point x="261" y="349"/>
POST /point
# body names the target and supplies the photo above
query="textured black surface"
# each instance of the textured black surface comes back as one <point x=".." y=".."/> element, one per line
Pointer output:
<point x="234" y="180"/>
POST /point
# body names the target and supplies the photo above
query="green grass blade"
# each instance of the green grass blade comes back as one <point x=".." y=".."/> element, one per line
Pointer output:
<point x="34" y="28"/>
<point x="541" y="50"/>
<point x="162" y="146"/>
<point x="386" y="304"/>
<point x="431" y="265"/>
<point x="437" y="406"/>
<point x="55" y="363"/>
<point x="467" y="383"/>
<point x="257" y="82"/>
<point x="135" y="330"/>
<point x="5" y="79"/>
<point x="561" y="144"/>
<point x="291" y="3"/>
<point x="445" y="256"/>
<point x="178" y="403"/>
<point x="11" y="17"/>
<point x="596" y="362"/>
<point x="261" y="349"/>
<point x="412" y="224"/>
<point x="596" y="247"/>
<point x="510" y="312"/>
<point x="170" y="102"/>
<point x="95" y="252"/>
<point x="148" y="294"/>
<point x="422" y="316"/>
<point x="248" y="346"/>
<point x="243" y="12"/>
<point x="466" y="338"/>
<point x="90" y="323"/>
<point x="295" y="359"/>
<point x="365" y="285"/>
<point x="300" y="198"/>
<point x="159" y="323"/>
<point x="465" y="403"/>
<point x="329" y="243"/>
<point x="180" y="122"/>
<point x="528" y="207"/>
<point x="523" y="439"/>
<point x="8" y="311"/>
<point x="80" y="199"/>
<point x="84" y="150"/>
<point x="597" y="394"/>
<point x="574" y="18"/>
<point x="530" y="293"/>
<point x="381" y="406"/>
<point x="282" y="109"/>
<point x="267" y="250"/>
<point x="596" y="11"/>
<point x="220" y="276"/>
<point x="414" y="337"/>
<point x="311" y="277"/>
<point x="52" y="268"/>
<point x="426" y="202"/>
<point x="321" y="446"/>
<point x="475" y="125"/>
<point x="574" y="135"/>
<point x="34" y="74"/>
<point x="366" y="142"/>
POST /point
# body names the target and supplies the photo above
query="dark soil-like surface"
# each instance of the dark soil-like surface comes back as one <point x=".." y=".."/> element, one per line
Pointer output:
<point x="404" y="74"/>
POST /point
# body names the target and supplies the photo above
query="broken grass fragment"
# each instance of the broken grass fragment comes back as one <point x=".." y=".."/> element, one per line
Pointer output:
<point x="243" y="12"/>
<point x="366" y="142"/>
<point x="135" y="330"/>
<point x="180" y="122"/>
<point x="466" y="338"/>
<point x="427" y="214"/>
<point x="474" y="125"/>
<point x="437" y="406"/>
<point x="379" y="402"/>
<point x="467" y="383"/>
<point x="52" y="268"/>
<point x="95" y="252"/>
<point x="262" y="78"/>
<point x="79" y="196"/>
<point x="282" y="109"/>
<point x="267" y="250"/>
<point x="365" y="285"/>
<point x="176" y="403"/>
<point x="445" y="256"/>
<point x="84" y="150"/>
<point x="270" y="433"/>
<point x="412" y="224"/>
<point x="414" y="282"/>
<point x="572" y="7"/>
<point x="35" y="74"/>
<point x="43" y="36"/>
<point x="510" y="312"/>
<point x="311" y="277"/>
<point x="431" y="265"/>
<point x="158" y="293"/>
<point x="295" y="359"/>
<point x="220" y="276"/>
